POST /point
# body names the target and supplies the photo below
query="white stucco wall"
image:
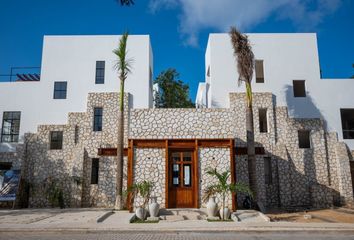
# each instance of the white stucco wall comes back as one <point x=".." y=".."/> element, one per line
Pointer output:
<point x="73" y="59"/>
<point x="286" y="57"/>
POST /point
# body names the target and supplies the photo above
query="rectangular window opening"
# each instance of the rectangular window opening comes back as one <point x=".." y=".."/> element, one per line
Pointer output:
<point x="76" y="134"/>
<point x="10" y="126"/>
<point x="263" y="122"/>
<point x="268" y="170"/>
<point x="60" y="90"/>
<point x="259" y="71"/>
<point x="97" y="119"/>
<point x="56" y="140"/>
<point x="100" y="68"/>
<point x="299" y="88"/>
<point x="94" y="170"/>
<point x="347" y="117"/>
<point x="304" y="139"/>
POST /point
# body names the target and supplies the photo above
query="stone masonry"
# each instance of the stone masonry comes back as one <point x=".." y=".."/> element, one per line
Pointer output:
<point x="318" y="176"/>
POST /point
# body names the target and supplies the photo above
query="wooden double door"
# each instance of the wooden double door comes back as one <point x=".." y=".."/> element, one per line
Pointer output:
<point x="182" y="179"/>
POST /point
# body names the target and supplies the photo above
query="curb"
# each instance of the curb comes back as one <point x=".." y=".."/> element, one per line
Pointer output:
<point x="195" y="230"/>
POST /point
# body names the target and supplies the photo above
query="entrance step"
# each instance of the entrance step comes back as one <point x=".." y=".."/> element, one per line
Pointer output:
<point x="249" y="216"/>
<point x="176" y="214"/>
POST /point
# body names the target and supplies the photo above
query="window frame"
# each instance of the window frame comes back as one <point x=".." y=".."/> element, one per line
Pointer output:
<point x="259" y="79"/>
<point x="60" y="92"/>
<point x="307" y="144"/>
<point x="95" y="169"/>
<point x="261" y="130"/>
<point x="296" y="93"/>
<point x="97" y="120"/>
<point x="14" y="133"/>
<point x="100" y="72"/>
<point x="344" y="122"/>
<point x="56" y="143"/>
<point x="268" y="178"/>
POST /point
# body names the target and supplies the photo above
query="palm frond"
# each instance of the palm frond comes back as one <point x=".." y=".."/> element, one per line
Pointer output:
<point x="123" y="64"/>
<point x="244" y="55"/>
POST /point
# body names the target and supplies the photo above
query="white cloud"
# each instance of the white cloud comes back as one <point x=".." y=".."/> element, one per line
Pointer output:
<point x="197" y="15"/>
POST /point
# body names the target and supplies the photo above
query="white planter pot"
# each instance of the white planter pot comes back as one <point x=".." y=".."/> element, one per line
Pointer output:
<point x="211" y="207"/>
<point x="225" y="213"/>
<point x="154" y="207"/>
<point x="140" y="213"/>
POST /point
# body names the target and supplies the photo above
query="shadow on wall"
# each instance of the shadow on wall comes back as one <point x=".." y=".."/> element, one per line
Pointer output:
<point x="302" y="107"/>
<point x="51" y="179"/>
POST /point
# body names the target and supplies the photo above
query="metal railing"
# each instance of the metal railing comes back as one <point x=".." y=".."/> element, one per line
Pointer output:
<point x="15" y="71"/>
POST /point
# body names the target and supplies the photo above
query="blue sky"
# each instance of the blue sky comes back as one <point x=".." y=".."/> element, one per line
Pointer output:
<point x="178" y="28"/>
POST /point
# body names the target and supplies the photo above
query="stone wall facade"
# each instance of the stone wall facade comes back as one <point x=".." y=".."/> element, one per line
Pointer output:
<point x="318" y="176"/>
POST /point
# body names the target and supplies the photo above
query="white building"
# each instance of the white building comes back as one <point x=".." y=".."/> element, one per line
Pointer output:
<point x="72" y="67"/>
<point x="282" y="61"/>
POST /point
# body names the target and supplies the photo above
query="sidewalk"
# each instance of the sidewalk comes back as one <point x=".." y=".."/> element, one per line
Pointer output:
<point x="85" y="220"/>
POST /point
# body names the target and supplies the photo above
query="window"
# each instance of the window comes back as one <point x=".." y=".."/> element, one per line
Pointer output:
<point x="97" y="119"/>
<point x="60" y="90"/>
<point x="299" y="88"/>
<point x="10" y="126"/>
<point x="268" y="171"/>
<point x="304" y="139"/>
<point x="76" y="134"/>
<point x="263" y="124"/>
<point x="347" y="116"/>
<point x="94" y="171"/>
<point x="259" y="71"/>
<point x="56" y="140"/>
<point x="100" y="65"/>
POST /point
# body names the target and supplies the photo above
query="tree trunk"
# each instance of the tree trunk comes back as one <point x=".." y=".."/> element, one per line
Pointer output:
<point x="252" y="173"/>
<point x="120" y="149"/>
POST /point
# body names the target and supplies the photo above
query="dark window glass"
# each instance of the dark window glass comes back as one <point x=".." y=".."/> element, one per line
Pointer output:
<point x="56" y="140"/>
<point x="60" y="90"/>
<point x="347" y="116"/>
<point x="10" y="126"/>
<point x="268" y="170"/>
<point x="263" y="123"/>
<point x="304" y="139"/>
<point x="76" y="135"/>
<point x="94" y="171"/>
<point x="100" y="66"/>
<point x="299" y="88"/>
<point x="4" y="166"/>
<point x="259" y="71"/>
<point x="97" y="119"/>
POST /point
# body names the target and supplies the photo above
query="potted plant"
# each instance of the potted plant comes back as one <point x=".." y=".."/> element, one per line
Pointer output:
<point x="222" y="187"/>
<point x="142" y="189"/>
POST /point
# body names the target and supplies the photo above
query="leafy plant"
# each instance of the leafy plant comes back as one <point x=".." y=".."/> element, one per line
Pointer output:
<point x="142" y="189"/>
<point x="173" y="93"/>
<point x="55" y="193"/>
<point x="222" y="187"/>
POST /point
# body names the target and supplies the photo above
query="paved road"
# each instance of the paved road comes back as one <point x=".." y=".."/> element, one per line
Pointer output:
<point x="182" y="236"/>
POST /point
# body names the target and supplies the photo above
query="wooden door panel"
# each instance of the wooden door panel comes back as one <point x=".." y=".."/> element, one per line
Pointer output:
<point x="181" y="175"/>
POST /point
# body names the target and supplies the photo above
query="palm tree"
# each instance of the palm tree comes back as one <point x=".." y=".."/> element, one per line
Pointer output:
<point x="123" y="66"/>
<point x="245" y="64"/>
<point x="126" y="2"/>
<point x="222" y="187"/>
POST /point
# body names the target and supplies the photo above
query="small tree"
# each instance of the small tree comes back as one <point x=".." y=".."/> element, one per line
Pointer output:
<point x="142" y="189"/>
<point x="222" y="187"/>
<point x="173" y="93"/>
